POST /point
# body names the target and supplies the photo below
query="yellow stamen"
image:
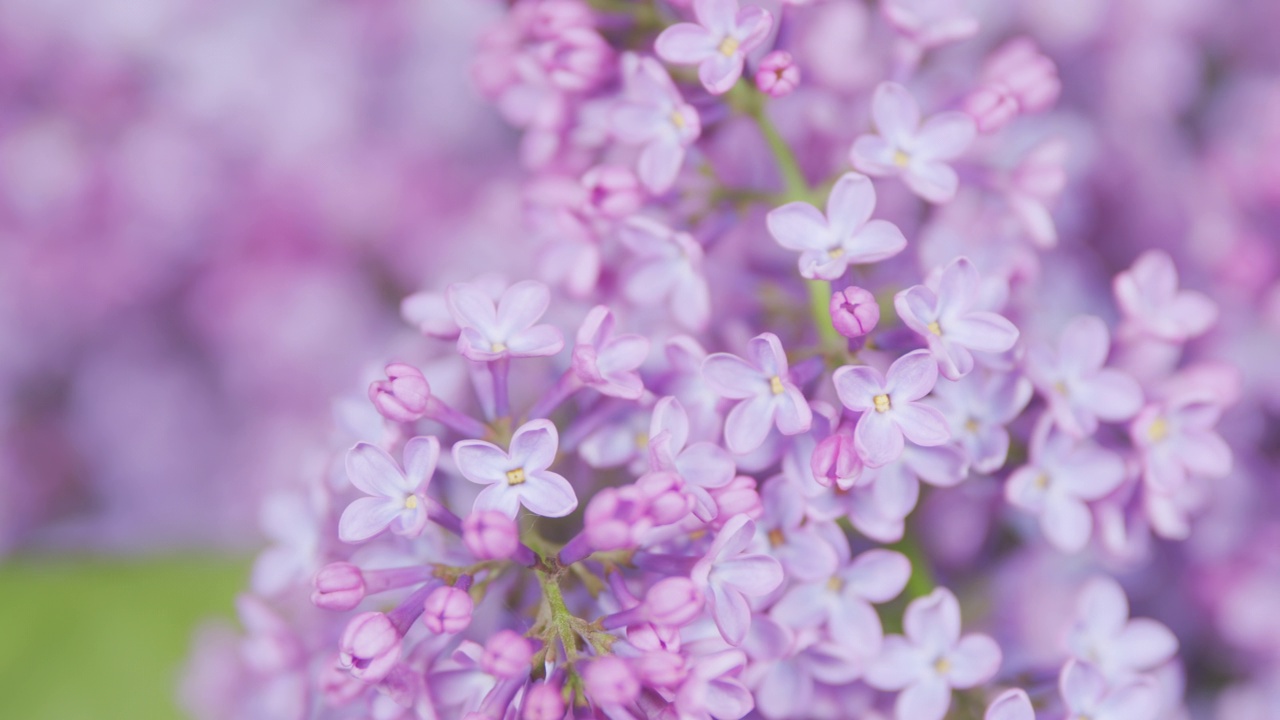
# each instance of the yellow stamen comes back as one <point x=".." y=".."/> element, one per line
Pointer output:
<point x="835" y="584"/>
<point x="776" y="537"/>
<point x="901" y="159"/>
<point x="834" y="253"/>
<point x="677" y="119"/>
<point x="642" y="440"/>
<point x="1158" y="430"/>
<point x="411" y="502"/>
<point x="881" y="403"/>
<point x="515" y="477"/>
<point x="775" y="384"/>
<point x="1061" y="387"/>
<point x="498" y="347"/>
<point x="943" y="666"/>
<point x="935" y="328"/>
<point x="1042" y="481"/>
<point x="971" y="425"/>
<point x="729" y="46"/>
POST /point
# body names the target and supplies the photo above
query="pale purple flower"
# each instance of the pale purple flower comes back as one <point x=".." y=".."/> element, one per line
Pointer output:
<point x="397" y="498"/>
<point x="652" y="114"/>
<point x="1017" y="78"/>
<point x="905" y="147"/>
<point x="800" y="546"/>
<point x="1034" y="185"/>
<point x="429" y="311"/>
<point x="506" y="329"/>
<point x="608" y="362"/>
<point x="846" y="235"/>
<point x="1012" y="704"/>
<point x="718" y="43"/>
<point x="890" y="406"/>
<point x="1064" y="475"/>
<point x="1177" y="439"/>
<point x="1104" y="636"/>
<point x="978" y="408"/>
<point x="1086" y="693"/>
<point x="1079" y="389"/>
<point x="932" y="658"/>
<point x="668" y="268"/>
<point x="843" y="601"/>
<point x="519" y="477"/>
<point x="787" y="667"/>
<point x="1152" y="303"/>
<point x="930" y="23"/>
<point x="712" y="688"/>
<point x="944" y="313"/>
<point x="777" y="75"/>
<point x="767" y="395"/>
<point x="896" y="486"/>
<point x="728" y="573"/>
<point x="701" y="465"/>
<point x="854" y="311"/>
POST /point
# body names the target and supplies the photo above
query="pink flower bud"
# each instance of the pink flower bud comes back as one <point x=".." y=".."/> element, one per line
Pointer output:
<point x="403" y="396"/>
<point x="447" y="610"/>
<point x="490" y="535"/>
<point x="613" y="191"/>
<point x="854" y="312"/>
<point x="543" y="701"/>
<point x="739" y="497"/>
<point x="778" y="74"/>
<point x="991" y="107"/>
<point x="673" y="601"/>
<point x="835" y="461"/>
<point x="370" y="646"/>
<point x="610" y="681"/>
<point x="338" y="586"/>
<point x="507" y="655"/>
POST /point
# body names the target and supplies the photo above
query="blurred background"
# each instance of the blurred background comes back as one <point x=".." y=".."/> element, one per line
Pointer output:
<point x="209" y="211"/>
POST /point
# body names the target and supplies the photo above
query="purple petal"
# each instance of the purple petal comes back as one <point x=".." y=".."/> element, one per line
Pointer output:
<point x="373" y="472"/>
<point x="1081" y="685"/>
<point x="785" y="687"/>
<point x="927" y="699"/>
<point x="1084" y="345"/>
<point x="799" y="226"/>
<point x="1204" y="453"/>
<point x="499" y="496"/>
<point x="1067" y="523"/>
<point x="857" y="386"/>
<point x="982" y="331"/>
<point x="911" y="377"/>
<point x="923" y="425"/>
<point x="933" y="622"/>
<point x="685" y="44"/>
<point x="899" y="664"/>
<point x="547" y="494"/>
<point x="481" y="462"/>
<point x="537" y="341"/>
<point x="975" y="660"/>
<point x="534" y="445"/>
<point x="659" y="164"/>
<point x="753" y="25"/>
<point x="670" y="416"/>
<point x="718" y="16"/>
<point x="896" y="114"/>
<point x="766" y="353"/>
<point x="1144" y="644"/>
<point x="1140" y="700"/>
<point x="1103" y="606"/>
<point x="895" y="490"/>
<point x="521" y="306"/>
<point x="719" y="72"/>
<point x="873" y="155"/>
<point x="748" y="424"/>
<point x="878" y="575"/>
<point x="732" y="377"/>
<point x="792" y="412"/>
<point x="706" y="465"/>
<point x="731" y="613"/>
<point x="471" y="307"/>
<point x="420" y="457"/>
<point x="804" y="606"/>
<point x="1025" y="489"/>
<point x="850" y="204"/>
<point x="855" y="624"/>
<point x="1011" y="704"/>
<point x="691" y="302"/>
<point x="1111" y="395"/>
<point x="806" y="555"/>
<point x="932" y="180"/>
<point x="877" y="438"/>
<point x="637" y="123"/>
<point x="367" y="517"/>
<point x="945" y="136"/>
<point x="877" y="240"/>
<point x="1091" y="473"/>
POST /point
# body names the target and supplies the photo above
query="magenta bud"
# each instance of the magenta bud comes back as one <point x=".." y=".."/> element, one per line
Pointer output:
<point x="673" y="601"/>
<point x="403" y="396"/>
<point x="338" y="586"/>
<point x="835" y="461"/>
<point x="507" y="655"/>
<point x="739" y="497"/>
<point x="778" y="74"/>
<point x="610" y="681"/>
<point x="991" y="108"/>
<point x="370" y="646"/>
<point x="660" y="668"/>
<point x="447" y="610"/>
<point x="490" y="535"/>
<point x="854" y="312"/>
<point x="613" y="191"/>
<point x="543" y="701"/>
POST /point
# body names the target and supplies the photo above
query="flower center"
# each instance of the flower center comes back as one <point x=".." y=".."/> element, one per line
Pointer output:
<point x="411" y="502"/>
<point x="515" y="477"/>
<point x="935" y="328"/>
<point x="836" y="252"/>
<point x="642" y="440"/>
<point x="1042" y="481"/>
<point x="498" y="347"/>
<point x="729" y="46"/>
<point x="971" y="425"/>
<point x="775" y="384"/>
<point x="901" y="159"/>
<point x="776" y="537"/>
<point x="677" y="119"/>
<point x="1158" y="430"/>
<point x="881" y="402"/>
<point x="942" y="665"/>
<point x="835" y="584"/>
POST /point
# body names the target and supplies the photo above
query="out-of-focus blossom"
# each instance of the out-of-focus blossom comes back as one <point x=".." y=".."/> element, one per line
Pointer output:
<point x="766" y="393"/>
<point x="917" y="152"/>
<point x="718" y="43"/>
<point x="1079" y="389"/>
<point x="777" y="75"/>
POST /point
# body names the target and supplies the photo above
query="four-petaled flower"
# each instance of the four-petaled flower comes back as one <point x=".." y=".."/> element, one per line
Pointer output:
<point x="943" y="313"/>
<point x="652" y="114"/>
<point x="932" y="658"/>
<point x="702" y="466"/>
<point x="728" y="573"/>
<point x="608" y="362"/>
<point x="1079" y="389"/>
<point x="890" y="408"/>
<point x="718" y="43"/>
<point x="668" y="267"/>
<point x="905" y="147"/>
<point x="1087" y="694"/>
<point x="1104" y="636"/>
<point x="767" y="394"/>
<point x="398" y="498"/>
<point x="506" y="329"/>
<point x="847" y="235"/>
<point x="1152" y="303"/>
<point x="519" y="477"/>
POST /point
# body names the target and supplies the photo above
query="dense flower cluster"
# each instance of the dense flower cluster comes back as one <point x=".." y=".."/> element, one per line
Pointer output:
<point x="817" y="404"/>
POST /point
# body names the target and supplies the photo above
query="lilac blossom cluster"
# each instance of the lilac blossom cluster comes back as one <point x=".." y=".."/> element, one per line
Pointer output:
<point x="820" y="401"/>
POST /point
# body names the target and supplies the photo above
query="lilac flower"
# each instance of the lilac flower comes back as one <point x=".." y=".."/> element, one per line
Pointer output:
<point x="712" y="688"/>
<point x="1105" y="637"/>
<point x="398" y="498"/>
<point x="1086" y="693"/>
<point x="1152" y="303"/>
<point x="718" y="43"/>
<point x="890" y="408"/>
<point x="777" y="75"/>
<point x="429" y="311"/>
<point x="1034" y="185"/>
<point x="519" y="477"/>
<point x="1177" y="439"/>
<point x="932" y="658"/>
<point x="506" y="329"/>
<point x="654" y="116"/>
<point x="930" y="23"/>
<point x="1011" y="704"/>
<point x="787" y="666"/>
<point x="798" y="545"/>
<point x="728" y="573"/>
<point x="668" y="267"/>
<point x="854" y="312"/>
<point x="702" y="465"/>
<point x="1079" y="389"/>
<point x="1062" y="476"/>
<point x="978" y="408"/>
<point x="943" y="313"/>
<point x="847" y="235"/>
<point x="767" y="395"/>
<point x="608" y="362"/>
<point x="905" y="147"/>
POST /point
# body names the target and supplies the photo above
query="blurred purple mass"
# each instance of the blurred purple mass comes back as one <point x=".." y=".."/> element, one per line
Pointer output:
<point x="672" y="359"/>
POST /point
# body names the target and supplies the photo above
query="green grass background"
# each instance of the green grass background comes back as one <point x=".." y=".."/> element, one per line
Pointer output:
<point x="91" y="638"/>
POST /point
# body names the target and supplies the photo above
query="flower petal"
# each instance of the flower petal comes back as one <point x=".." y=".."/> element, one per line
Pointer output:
<point x="685" y="44"/>
<point x="481" y="462"/>
<point x="878" y="575"/>
<point x="850" y="204"/>
<point x="547" y="494"/>
<point x="945" y="136"/>
<point x="877" y="240"/>
<point x="366" y="517"/>
<point x="373" y="472"/>
<point x="799" y="226"/>
<point x="896" y="114"/>
<point x="1013" y="704"/>
<point x="975" y="660"/>
<point x="911" y="377"/>
<point x="933" y="622"/>
<point x="899" y="664"/>
<point x="420" y="457"/>
<point x="877" y="439"/>
<point x="923" y="425"/>
<point x="927" y="699"/>
<point x="534" y="445"/>
<point x="732" y="377"/>
<point x="931" y="180"/>
<point x="857" y="386"/>
<point x="748" y="424"/>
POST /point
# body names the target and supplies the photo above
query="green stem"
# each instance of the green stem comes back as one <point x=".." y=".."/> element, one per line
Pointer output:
<point x="750" y="101"/>
<point x="561" y="620"/>
<point x="921" y="582"/>
<point x="820" y="310"/>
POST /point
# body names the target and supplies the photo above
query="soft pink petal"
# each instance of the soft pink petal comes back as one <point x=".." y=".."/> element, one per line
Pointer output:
<point x="373" y="472"/>
<point x="857" y="386"/>
<point x="719" y="72"/>
<point x="718" y="16"/>
<point x="691" y="302"/>
<point x="501" y="497"/>
<point x="706" y="465"/>
<point x="1103" y="606"/>
<point x="547" y="494"/>
<point x="1111" y="395"/>
<point x="899" y="664"/>
<point x="521" y="306"/>
<point x="1204" y="453"/>
<point x="945" y="136"/>
<point x="537" y="341"/>
<point x="753" y="25"/>
<point x="636" y="123"/>
<point x="732" y="377"/>
<point x="911" y="376"/>
<point x="933" y="622"/>
<point x="685" y="44"/>
<point x="1084" y="345"/>
<point x="799" y="226"/>
<point x="873" y="155"/>
<point x="856" y="626"/>
<point x="932" y="180"/>
<point x="367" y="517"/>
<point x="1011" y="704"/>
<point x="731" y="613"/>
<point x="878" y="575"/>
<point x="923" y="425"/>
<point x="748" y="424"/>
<point x="927" y="699"/>
<point x="896" y="114"/>
<point x="974" y="661"/>
<point x="1081" y="685"/>
<point x="533" y="447"/>
<point x="659" y="164"/>
<point x="471" y="307"/>
<point x="420" y="457"/>
<point x="982" y="331"/>
<point x="877" y="439"/>
<point x="1067" y="523"/>
<point x="877" y="240"/>
<point x="1144" y="644"/>
<point x="1024" y="490"/>
<point x="792" y="412"/>
<point x="850" y="204"/>
<point x="481" y="462"/>
<point x="1140" y="700"/>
